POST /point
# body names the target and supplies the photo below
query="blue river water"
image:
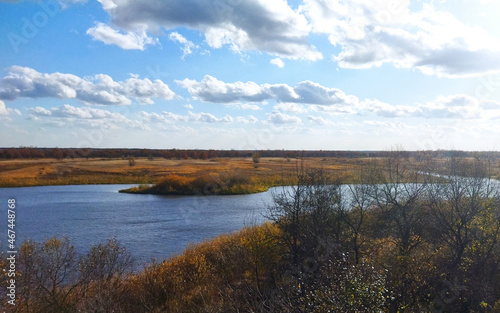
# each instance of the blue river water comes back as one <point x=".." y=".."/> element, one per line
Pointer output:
<point x="149" y="226"/>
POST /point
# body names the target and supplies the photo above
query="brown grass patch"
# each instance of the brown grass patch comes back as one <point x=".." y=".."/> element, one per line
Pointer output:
<point x="17" y="173"/>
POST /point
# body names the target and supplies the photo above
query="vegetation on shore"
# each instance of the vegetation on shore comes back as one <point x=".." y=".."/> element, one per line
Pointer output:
<point x="398" y="242"/>
<point x="208" y="184"/>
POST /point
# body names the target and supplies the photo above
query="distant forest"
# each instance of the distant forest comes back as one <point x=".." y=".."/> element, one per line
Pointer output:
<point x="63" y="153"/>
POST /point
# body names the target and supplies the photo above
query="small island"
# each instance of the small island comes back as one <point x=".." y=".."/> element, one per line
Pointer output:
<point x="204" y="184"/>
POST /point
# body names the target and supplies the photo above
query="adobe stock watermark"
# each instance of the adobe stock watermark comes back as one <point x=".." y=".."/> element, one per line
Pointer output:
<point x="487" y="86"/>
<point x="31" y="25"/>
<point x="393" y="9"/>
<point x="224" y="9"/>
<point x="156" y="72"/>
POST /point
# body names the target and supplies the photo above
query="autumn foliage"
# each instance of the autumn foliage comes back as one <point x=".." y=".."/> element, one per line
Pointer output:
<point x="205" y="184"/>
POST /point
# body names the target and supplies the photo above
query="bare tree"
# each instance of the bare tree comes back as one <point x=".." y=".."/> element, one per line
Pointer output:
<point x="309" y="217"/>
<point x="102" y="272"/>
<point x="397" y="188"/>
<point x="48" y="275"/>
<point x="458" y="202"/>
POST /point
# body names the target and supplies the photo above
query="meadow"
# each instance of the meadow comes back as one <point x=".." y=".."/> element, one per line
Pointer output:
<point x="80" y="171"/>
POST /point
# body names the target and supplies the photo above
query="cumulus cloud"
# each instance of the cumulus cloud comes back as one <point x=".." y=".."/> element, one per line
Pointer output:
<point x="210" y="89"/>
<point x="208" y="118"/>
<point x="318" y="120"/>
<point x="137" y="40"/>
<point x="314" y="93"/>
<point x="7" y="111"/>
<point x="388" y="110"/>
<point x="455" y="106"/>
<point x="268" y="26"/>
<point x="368" y="34"/>
<point x="308" y="96"/>
<point x="164" y="117"/>
<point x="278" y="62"/>
<point x="188" y="46"/>
<point x="99" y="89"/>
<point x="290" y="107"/>
<point x="377" y="32"/>
<point x="69" y="111"/>
<point x="458" y="106"/>
<point x="169" y="117"/>
<point x="280" y="118"/>
<point x="247" y="120"/>
<point x="3" y="109"/>
<point x="81" y="116"/>
<point x="244" y="106"/>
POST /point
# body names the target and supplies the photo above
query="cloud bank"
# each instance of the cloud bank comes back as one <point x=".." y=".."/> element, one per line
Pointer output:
<point x="24" y="82"/>
<point x="368" y="34"/>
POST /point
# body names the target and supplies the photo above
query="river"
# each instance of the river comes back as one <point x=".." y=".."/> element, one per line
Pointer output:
<point x="149" y="226"/>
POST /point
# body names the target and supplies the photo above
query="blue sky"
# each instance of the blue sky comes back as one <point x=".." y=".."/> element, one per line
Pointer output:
<point x="241" y="74"/>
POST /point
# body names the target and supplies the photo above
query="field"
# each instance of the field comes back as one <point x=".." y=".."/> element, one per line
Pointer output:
<point x="79" y="171"/>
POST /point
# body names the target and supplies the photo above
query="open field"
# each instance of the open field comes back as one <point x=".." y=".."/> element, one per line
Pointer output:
<point x="78" y="171"/>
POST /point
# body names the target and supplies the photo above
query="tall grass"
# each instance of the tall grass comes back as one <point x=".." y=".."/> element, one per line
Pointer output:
<point x="206" y="184"/>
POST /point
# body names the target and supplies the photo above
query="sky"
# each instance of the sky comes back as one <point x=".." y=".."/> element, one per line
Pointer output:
<point x="250" y="74"/>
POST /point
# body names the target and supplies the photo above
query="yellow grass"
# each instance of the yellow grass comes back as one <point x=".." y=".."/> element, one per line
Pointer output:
<point x="18" y="173"/>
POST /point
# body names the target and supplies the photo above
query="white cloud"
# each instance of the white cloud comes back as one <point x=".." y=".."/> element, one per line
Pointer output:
<point x="188" y="47"/>
<point x="208" y="118"/>
<point x="309" y="96"/>
<point x="39" y="111"/>
<point x="244" y="106"/>
<point x="367" y="34"/>
<point x="313" y="93"/>
<point x="210" y="89"/>
<point x="7" y="111"/>
<point x="164" y="117"/>
<point x="243" y="25"/>
<point x="169" y="117"/>
<point x="278" y="62"/>
<point x="128" y="41"/>
<point x="290" y="107"/>
<point x="387" y="110"/>
<point x="68" y="111"/>
<point x="3" y="109"/>
<point x="318" y="120"/>
<point x="377" y="32"/>
<point x="81" y="116"/>
<point x="247" y="120"/>
<point x="280" y="118"/>
<point x="458" y="106"/>
<point x="99" y="89"/>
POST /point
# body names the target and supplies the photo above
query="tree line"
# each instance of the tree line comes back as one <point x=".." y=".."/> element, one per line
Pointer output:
<point x="67" y="153"/>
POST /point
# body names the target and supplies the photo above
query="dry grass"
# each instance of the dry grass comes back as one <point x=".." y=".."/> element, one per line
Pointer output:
<point x="17" y="173"/>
